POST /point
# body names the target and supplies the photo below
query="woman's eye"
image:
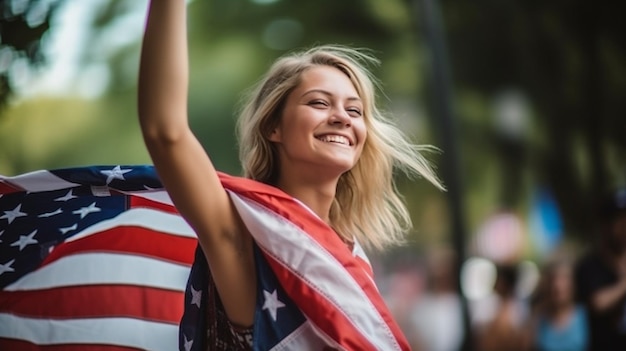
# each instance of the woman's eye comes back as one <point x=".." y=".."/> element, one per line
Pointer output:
<point x="318" y="103"/>
<point x="355" y="112"/>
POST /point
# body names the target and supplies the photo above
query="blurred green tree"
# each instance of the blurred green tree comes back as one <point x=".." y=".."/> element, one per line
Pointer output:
<point x="568" y="58"/>
<point x="22" y="27"/>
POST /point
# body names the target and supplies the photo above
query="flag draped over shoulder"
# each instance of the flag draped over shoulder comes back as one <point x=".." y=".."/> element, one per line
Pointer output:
<point x="91" y="259"/>
<point x="331" y="285"/>
<point x="98" y="256"/>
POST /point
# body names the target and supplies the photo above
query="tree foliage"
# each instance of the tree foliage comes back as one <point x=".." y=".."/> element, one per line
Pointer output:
<point x="22" y="28"/>
<point x="569" y="59"/>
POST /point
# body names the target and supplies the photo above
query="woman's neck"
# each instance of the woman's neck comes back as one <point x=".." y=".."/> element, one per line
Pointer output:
<point x="560" y="312"/>
<point x="316" y="194"/>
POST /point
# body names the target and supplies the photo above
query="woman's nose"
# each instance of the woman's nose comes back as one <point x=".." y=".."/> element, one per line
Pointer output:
<point x="340" y="116"/>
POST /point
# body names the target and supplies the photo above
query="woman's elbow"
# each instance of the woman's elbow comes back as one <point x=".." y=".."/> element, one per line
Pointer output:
<point x="159" y="135"/>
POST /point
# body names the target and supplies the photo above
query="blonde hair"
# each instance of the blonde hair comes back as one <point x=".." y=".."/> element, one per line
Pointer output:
<point x="367" y="204"/>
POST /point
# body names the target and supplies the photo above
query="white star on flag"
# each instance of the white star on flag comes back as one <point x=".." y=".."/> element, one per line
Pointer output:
<point x="67" y="197"/>
<point x="272" y="303"/>
<point x="68" y="229"/>
<point x="50" y="214"/>
<point x="196" y="297"/>
<point x="1" y="232"/>
<point x="7" y="267"/>
<point x="84" y="211"/>
<point x="188" y="344"/>
<point x="115" y="173"/>
<point x="13" y="214"/>
<point x="25" y="240"/>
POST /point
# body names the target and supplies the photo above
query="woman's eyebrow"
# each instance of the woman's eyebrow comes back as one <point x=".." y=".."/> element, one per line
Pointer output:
<point x="327" y="93"/>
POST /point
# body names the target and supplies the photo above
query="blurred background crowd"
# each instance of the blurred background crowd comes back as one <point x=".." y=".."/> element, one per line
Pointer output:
<point x="571" y="299"/>
<point x="524" y="99"/>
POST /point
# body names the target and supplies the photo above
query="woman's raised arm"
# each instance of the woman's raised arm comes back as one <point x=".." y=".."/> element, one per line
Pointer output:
<point x="182" y="163"/>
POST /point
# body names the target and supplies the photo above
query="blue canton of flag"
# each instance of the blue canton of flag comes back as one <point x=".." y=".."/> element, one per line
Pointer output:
<point x="279" y="316"/>
<point x="276" y="315"/>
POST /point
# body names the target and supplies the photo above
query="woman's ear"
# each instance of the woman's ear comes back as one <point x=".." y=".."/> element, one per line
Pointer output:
<point x="275" y="135"/>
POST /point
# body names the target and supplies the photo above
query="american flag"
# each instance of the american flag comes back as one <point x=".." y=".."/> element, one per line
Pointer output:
<point x="98" y="257"/>
<point x="91" y="258"/>
<point x="332" y="287"/>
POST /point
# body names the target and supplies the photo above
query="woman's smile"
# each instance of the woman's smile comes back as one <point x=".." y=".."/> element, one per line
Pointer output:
<point x="336" y="139"/>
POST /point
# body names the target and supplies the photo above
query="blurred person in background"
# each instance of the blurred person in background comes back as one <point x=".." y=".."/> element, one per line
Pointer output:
<point x="437" y="317"/>
<point x="601" y="278"/>
<point x="558" y="323"/>
<point x="505" y="326"/>
<point x="404" y="287"/>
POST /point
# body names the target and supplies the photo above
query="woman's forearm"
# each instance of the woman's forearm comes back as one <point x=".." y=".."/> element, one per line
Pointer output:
<point x="608" y="297"/>
<point x="163" y="72"/>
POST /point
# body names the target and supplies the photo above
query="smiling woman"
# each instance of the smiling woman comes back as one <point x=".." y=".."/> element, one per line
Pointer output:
<point x="279" y="262"/>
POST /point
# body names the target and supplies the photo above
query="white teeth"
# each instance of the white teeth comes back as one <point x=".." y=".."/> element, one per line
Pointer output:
<point x="335" y="139"/>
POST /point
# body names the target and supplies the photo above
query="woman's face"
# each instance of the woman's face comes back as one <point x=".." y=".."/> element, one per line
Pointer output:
<point x="322" y="124"/>
<point x="561" y="285"/>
